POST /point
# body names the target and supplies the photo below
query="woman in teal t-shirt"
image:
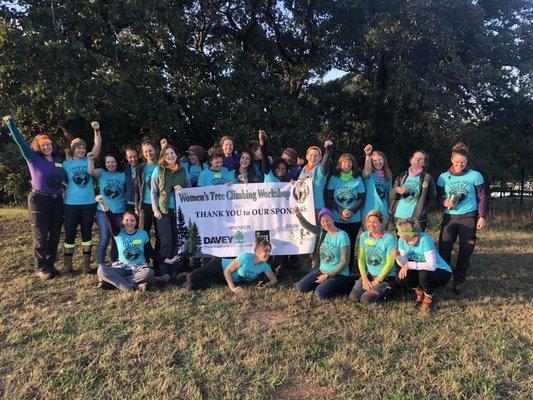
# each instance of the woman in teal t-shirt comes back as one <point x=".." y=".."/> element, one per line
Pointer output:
<point x="331" y="278"/>
<point x="422" y="268"/>
<point x="79" y="205"/>
<point x="246" y="267"/>
<point x="345" y="195"/>
<point x="112" y="184"/>
<point x="216" y="174"/>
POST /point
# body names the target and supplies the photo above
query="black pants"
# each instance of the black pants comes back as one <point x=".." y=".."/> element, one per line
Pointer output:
<point x="352" y="229"/>
<point x="465" y="228"/>
<point x="82" y="215"/>
<point x="148" y="218"/>
<point x="46" y="218"/>
<point x="427" y="280"/>
<point x="166" y="230"/>
<point x="206" y="276"/>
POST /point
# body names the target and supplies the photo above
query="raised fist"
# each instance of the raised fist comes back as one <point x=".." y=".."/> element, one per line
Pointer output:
<point x="95" y="125"/>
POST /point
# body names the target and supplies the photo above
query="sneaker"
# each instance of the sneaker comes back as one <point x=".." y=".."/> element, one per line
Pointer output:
<point x="419" y="293"/>
<point x="426" y="304"/>
<point x="44" y="274"/>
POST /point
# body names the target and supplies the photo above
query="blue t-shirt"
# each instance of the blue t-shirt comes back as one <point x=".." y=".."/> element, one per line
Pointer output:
<point x="131" y="247"/>
<point x="422" y="246"/>
<point x="319" y="181"/>
<point x="330" y="252"/>
<point x="377" y="191"/>
<point x="80" y="185"/>
<point x="376" y="251"/>
<point x="270" y="177"/>
<point x="406" y="205"/>
<point x="345" y="195"/>
<point x="112" y="188"/>
<point x="171" y="198"/>
<point x="463" y="186"/>
<point x="147" y="190"/>
<point x="211" y="178"/>
<point x="194" y="171"/>
<point x="247" y="271"/>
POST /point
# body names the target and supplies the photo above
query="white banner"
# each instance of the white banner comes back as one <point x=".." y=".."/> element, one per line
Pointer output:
<point x="224" y="221"/>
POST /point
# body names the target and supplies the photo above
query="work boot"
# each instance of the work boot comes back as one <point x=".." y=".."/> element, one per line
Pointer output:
<point x="86" y="263"/>
<point x="67" y="262"/>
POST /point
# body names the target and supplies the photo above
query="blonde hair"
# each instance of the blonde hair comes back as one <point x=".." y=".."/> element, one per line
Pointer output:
<point x="375" y="213"/>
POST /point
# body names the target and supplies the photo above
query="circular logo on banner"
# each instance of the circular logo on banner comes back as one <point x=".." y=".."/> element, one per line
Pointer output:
<point x="300" y="191"/>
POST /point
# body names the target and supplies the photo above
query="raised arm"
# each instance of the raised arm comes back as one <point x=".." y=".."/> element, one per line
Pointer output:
<point x="324" y="166"/>
<point x="97" y="143"/>
<point x="94" y="172"/>
<point x="154" y="190"/>
<point x="265" y="164"/>
<point x="113" y="226"/>
<point x="305" y="223"/>
<point x="17" y="137"/>
<point x="367" y="168"/>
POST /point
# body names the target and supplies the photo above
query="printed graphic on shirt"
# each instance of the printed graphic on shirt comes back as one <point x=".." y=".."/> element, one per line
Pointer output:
<point x="112" y="189"/>
<point x="345" y="197"/>
<point x="381" y="186"/>
<point x="413" y="189"/>
<point x="414" y="256"/>
<point x="326" y="252"/>
<point x="459" y="190"/>
<point x="131" y="251"/>
<point x="373" y="256"/>
<point x="80" y="177"/>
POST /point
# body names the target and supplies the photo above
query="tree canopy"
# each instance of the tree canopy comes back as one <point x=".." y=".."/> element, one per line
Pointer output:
<point x="419" y="74"/>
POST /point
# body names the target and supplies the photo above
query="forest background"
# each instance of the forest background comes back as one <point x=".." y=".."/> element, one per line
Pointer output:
<point x="411" y="73"/>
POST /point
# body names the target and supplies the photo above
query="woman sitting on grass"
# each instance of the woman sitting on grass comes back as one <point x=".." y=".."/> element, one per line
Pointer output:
<point x="422" y="268"/>
<point x="132" y="271"/>
<point x="376" y="263"/>
<point x="332" y="277"/>
<point x="246" y="267"/>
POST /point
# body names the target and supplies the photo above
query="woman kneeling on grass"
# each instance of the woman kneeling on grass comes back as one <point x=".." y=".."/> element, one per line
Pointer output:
<point x="246" y="267"/>
<point x="332" y="277"/>
<point x="422" y="268"/>
<point x="132" y="271"/>
<point x="376" y="263"/>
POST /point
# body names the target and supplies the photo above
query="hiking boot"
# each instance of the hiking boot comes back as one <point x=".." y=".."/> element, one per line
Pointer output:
<point x="67" y="262"/>
<point x="426" y="304"/>
<point x="44" y="274"/>
<point x="86" y="263"/>
<point x="419" y="293"/>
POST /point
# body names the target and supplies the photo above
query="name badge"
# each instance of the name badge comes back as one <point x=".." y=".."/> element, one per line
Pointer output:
<point x="217" y="175"/>
<point x="137" y="241"/>
<point x="370" y="242"/>
<point x="58" y="165"/>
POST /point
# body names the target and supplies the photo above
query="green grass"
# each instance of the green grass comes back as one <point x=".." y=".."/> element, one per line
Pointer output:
<point x="65" y="339"/>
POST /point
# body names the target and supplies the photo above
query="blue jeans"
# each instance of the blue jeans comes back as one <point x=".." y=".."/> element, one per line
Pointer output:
<point x="339" y="285"/>
<point x="105" y="235"/>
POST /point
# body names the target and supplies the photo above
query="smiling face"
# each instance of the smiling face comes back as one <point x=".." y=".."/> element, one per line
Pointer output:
<point x="80" y="152"/>
<point x="326" y="222"/>
<point x="128" y="221"/>
<point x="280" y="170"/>
<point x="46" y="148"/>
<point x="110" y="163"/>
<point x="377" y="162"/>
<point x="418" y="160"/>
<point x="170" y="156"/>
<point x="263" y="252"/>
<point x="245" y="160"/>
<point x="313" y="157"/>
<point x="148" y="153"/>
<point x="193" y="158"/>
<point x="346" y="164"/>
<point x="459" y="162"/>
<point x="216" y="163"/>
<point x="132" y="157"/>
<point x="227" y="147"/>
<point x="373" y="224"/>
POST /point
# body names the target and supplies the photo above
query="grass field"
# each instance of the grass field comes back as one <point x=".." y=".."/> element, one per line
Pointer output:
<point x="65" y="339"/>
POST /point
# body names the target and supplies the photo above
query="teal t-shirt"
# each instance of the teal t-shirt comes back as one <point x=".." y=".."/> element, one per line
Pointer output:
<point x="417" y="252"/>
<point x="80" y="185"/>
<point x="330" y="252"/>
<point x="194" y="171"/>
<point x="319" y="181"/>
<point x="247" y="271"/>
<point x="211" y="178"/>
<point x="171" y="199"/>
<point x="377" y="191"/>
<point x="131" y="247"/>
<point x="270" y="177"/>
<point x="147" y="190"/>
<point x="406" y="205"/>
<point x="112" y="188"/>
<point x="376" y="251"/>
<point x="345" y="195"/>
<point x="463" y="186"/>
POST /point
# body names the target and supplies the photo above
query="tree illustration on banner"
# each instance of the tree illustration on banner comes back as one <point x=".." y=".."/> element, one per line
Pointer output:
<point x="194" y="241"/>
<point x="182" y="231"/>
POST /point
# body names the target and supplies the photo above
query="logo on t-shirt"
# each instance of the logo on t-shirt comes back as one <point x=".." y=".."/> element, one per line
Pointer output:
<point x="413" y="190"/>
<point x="381" y="187"/>
<point x="326" y="253"/>
<point x="112" y="190"/>
<point x="373" y="257"/>
<point x="131" y="252"/>
<point x="459" y="190"/>
<point x="346" y="197"/>
<point x="81" y="177"/>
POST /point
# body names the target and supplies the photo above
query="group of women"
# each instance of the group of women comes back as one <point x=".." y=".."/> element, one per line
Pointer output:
<point x="138" y="195"/>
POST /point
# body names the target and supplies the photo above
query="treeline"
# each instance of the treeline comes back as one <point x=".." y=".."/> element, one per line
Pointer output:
<point x="421" y="74"/>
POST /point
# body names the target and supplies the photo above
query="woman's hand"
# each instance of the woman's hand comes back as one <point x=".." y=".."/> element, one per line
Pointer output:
<point x="237" y="289"/>
<point x="368" y="150"/>
<point x="403" y="272"/>
<point x="90" y="156"/>
<point x="367" y="285"/>
<point x="346" y="214"/>
<point x="7" y="118"/>
<point x="481" y="223"/>
<point x="395" y="253"/>
<point x="261" y="135"/>
<point x="448" y="204"/>
<point x="157" y="214"/>
<point x="177" y="188"/>
<point x="163" y="143"/>
<point x="99" y="199"/>
<point x="321" y="278"/>
<point x="328" y="143"/>
<point x="172" y="260"/>
<point x="400" y="190"/>
<point x="96" y="126"/>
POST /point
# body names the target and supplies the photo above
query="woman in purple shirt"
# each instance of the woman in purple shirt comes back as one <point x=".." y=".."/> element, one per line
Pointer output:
<point x="45" y="201"/>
